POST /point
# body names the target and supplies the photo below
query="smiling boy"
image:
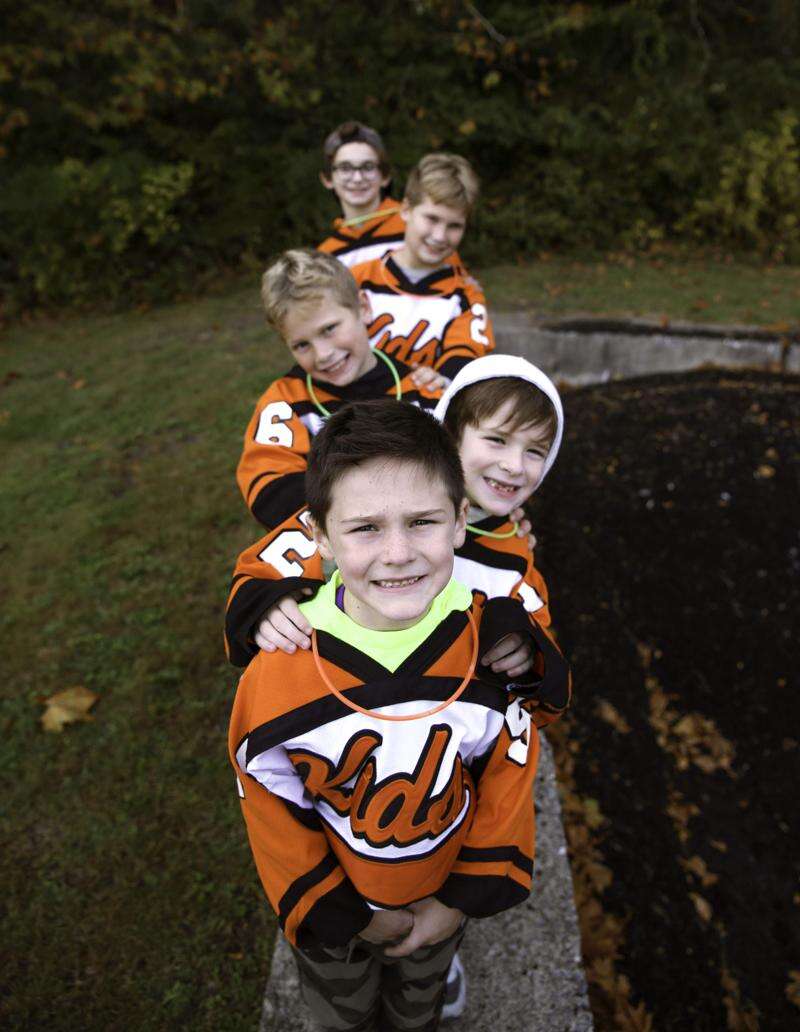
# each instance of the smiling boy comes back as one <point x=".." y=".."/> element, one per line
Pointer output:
<point x="506" y="417"/>
<point x="426" y="308"/>
<point x="385" y="783"/>
<point x="313" y="302"/>
<point x="355" y="167"/>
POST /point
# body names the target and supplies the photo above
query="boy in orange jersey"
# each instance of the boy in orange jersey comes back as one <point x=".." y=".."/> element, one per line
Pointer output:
<point x="313" y="302"/>
<point x="507" y="419"/>
<point x="426" y="308"/>
<point x="386" y="776"/>
<point x="355" y="166"/>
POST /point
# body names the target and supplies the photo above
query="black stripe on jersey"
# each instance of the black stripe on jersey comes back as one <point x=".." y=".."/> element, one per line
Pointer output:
<point x="368" y="239"/>
<point x="391" y="690"/>
<point x="491" y="557"/>
<point x="300" y="886"/>
<point x="279" y="499"/>
<point x="426" y="285"/>
<point x="247" y="607"/>
<point x="481" y="895"/>
<point x="494" y="854"/>
<point x="440" y="640"/>
<point x="305" y="815"/>
<point x="335" y="919"/>
<point x="454" y="363"/>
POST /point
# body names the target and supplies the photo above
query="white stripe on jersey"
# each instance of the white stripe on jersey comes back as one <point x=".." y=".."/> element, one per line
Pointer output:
<point x="494" y="582"/>
<point x="409" y="313"/>
<point x="473" y="727"/>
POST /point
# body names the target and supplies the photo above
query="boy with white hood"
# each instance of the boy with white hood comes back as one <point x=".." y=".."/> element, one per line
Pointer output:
<point x="508" y="421"/>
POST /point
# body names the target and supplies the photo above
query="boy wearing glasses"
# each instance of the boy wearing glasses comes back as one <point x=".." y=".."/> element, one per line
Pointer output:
<point x="385" y="777"/>
<point x="355" y="166"/>
<point x="426" y="308"/>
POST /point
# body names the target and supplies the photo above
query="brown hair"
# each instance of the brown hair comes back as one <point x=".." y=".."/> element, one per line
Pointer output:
<point x="379" y="429"/>
<point x="444" y="179"/>
<point x="353" y="132"/>
<point x="478" y="402"/>
<point x="301" y="275"/>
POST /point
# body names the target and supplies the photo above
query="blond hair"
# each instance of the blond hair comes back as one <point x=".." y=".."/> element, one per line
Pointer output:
<point x="302" y="275"/>
<point x="444" y="179"/>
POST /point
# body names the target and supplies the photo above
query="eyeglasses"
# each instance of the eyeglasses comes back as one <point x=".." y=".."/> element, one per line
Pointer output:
<point x="367" y="169"/>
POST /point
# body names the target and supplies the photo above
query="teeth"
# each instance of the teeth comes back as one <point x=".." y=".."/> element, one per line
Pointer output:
<point x="498" y="486"/>
<point x="398" y="583"/>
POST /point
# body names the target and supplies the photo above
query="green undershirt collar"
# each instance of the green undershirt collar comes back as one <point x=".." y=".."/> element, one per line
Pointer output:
<point x="389" y="648"/>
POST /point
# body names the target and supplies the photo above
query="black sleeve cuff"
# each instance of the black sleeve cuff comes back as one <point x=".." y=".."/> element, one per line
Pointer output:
<point x="247" y="607"/>
<point x="279" y="500"/>
<point x="548" y="681"/>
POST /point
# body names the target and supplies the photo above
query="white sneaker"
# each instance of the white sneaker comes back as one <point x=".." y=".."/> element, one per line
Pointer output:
<point x="455" y="991"/>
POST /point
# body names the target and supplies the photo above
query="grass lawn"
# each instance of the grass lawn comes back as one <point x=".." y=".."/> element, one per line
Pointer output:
<point x="130" y="900"/>
<point x="665" y="288"/>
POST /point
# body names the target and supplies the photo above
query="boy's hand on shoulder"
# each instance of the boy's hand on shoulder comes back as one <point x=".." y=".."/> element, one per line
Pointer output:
<point x="424" y="376"/>
<point x="523" y="526"/>
<point x="433" y="922"/>
<point x="284" y="626"/>
<point x="512" y="656"/>
<point x="388" y="926"/>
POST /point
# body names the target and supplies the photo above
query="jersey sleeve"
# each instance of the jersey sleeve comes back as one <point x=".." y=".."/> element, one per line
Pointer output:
<point x="532" y="592"/>
<point x="271" y="470"/>
<point x="546" y="690"/>
<point x="470" y="335"/>
<point x="494" y="867"/>
<point x="278" y="564"/>
<point x="309" y="891"/>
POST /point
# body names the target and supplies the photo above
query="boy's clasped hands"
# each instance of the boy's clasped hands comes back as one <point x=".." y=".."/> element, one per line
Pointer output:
<point x="420" y="924"/>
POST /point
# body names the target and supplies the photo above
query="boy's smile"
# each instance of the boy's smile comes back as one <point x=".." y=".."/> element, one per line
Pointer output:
<point x="392" y="532"/>
<point x="328" y="340"/>
<point x="502" y="467"/>
<point x="433" y="232"/>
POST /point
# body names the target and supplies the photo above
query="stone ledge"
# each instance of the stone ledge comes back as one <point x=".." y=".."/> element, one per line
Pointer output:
<point x="584" y="351"/>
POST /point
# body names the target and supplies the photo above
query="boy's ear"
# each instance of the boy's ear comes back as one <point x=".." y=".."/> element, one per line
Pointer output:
<point x="405" y="208"/>
<point x="460" y="531"/>
<point x="365" y="306"/>
<point x="321" y="540"/>
<point x="327" y="183"/>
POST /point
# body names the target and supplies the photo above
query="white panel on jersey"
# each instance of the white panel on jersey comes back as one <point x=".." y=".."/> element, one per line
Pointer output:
<point x="408" y="312"/>
<point x="275" y="771"/>
<point x="368" y="252"/>
<point x="494" y="582"/>
<point x="313" y="422"/>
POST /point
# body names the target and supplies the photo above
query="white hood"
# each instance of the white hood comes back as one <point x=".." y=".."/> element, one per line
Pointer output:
<point x="491" y="366"/>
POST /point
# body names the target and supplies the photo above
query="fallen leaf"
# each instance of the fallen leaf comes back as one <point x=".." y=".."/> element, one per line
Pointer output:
<point x="78" y="385"/>
<point x="793" y="988"/>
<point x="605" y="711"/>
<point x="702" y="906"/>
<point x="67" y="707"/>
<point x="720" y="846"/>
<point x="697" y="866"/>
<point x="467" y="128"/>
<point x="764" y="472"/>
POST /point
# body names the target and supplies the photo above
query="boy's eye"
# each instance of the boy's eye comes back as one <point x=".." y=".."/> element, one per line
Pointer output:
<point x="364" y="526"/>
<point x="422" y="522"/>
<point x="300" y="346"/>
<point x="495" y="438"/>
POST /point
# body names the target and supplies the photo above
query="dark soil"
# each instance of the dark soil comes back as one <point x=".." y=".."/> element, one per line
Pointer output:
<point x="669" y="540"/>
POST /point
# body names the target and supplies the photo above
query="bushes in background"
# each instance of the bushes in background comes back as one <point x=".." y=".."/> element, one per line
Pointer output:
<point x="145" y="144"/>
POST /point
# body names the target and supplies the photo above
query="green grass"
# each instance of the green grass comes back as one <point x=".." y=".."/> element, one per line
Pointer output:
<point x="667" y="288"/>
<point x="130" y="900"/>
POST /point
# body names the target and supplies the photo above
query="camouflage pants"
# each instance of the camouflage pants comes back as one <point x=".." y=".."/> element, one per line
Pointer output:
<point x="356" y="988"/>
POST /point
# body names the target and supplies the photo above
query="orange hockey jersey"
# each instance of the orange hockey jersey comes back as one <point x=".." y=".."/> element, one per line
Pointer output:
<point x="368" y="238"/>
<point x="347" y="812"/>
<point x="440" y="320"/>
<point x="271" y="470"/>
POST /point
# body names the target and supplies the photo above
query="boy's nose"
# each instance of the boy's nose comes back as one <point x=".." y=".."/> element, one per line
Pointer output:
<point x="396" y="548"/>
<point x="511" y="462"/>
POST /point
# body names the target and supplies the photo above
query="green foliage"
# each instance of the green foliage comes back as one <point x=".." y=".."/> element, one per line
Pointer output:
<point x="757" y="199"/>
<point x="145" y="144"/>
